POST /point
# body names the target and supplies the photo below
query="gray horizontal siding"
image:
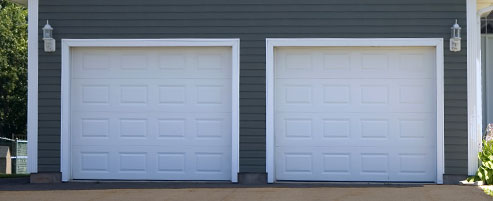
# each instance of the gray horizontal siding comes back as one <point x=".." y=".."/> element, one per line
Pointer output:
<point x="252" y="21"/>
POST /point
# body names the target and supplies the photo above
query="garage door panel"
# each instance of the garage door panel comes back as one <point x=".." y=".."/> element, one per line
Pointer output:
<point x="335" y="129"/>
<point x="365" y="95"/>
<point x="93" y="162"/>
<point x="348" y="164"/>
<point x="151" y="163"/>
<point x="354" y="62"/>
<point x="409" y="163"/>
<point x="170" y="95"/>
<point x="326" y="163"/>
<point x="151" y="113"/>
<point x="212" y="95"/>
<point x="152" y="63"/>
<point x="355" y="114"/>
<point x="100" y="128"/>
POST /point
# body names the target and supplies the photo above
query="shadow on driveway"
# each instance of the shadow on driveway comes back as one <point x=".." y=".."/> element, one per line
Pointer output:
<point x="22" y="184"/>
<point x="21" y="190"/>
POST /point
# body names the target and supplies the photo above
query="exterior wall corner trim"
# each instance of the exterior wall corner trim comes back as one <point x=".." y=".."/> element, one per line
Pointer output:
<point x="32" y="87"/>
<point x="474" y="99"/>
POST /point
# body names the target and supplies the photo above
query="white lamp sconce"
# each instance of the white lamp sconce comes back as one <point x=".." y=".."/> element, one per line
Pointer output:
<point x="455" y="39"/>
<point x="50" y="43"/>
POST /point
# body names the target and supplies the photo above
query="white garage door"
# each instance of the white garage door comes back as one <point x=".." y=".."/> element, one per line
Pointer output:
<point x="355" y="113"/>
<point x="151" y="113"/>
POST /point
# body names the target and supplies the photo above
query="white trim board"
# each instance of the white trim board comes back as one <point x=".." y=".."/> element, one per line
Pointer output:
<point x="67" y="44"/>
<point x="488" y="93"/>
<point x="474" y="93"/>
<point x="352" y="42"/>
<point x="32" y="87"/>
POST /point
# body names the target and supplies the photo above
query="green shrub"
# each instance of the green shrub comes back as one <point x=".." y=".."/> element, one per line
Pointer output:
<point x="485" y="171"/>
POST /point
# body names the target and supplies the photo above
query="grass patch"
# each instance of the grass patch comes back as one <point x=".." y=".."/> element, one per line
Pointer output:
<point x="13" y="175"/>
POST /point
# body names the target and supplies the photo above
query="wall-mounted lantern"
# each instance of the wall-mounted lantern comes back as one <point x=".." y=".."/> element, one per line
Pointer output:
<point x="455" y="39"/>
<point x="48" y="38"/>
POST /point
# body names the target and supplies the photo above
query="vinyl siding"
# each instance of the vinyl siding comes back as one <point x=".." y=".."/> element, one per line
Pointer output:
<point x="252" y="21"/>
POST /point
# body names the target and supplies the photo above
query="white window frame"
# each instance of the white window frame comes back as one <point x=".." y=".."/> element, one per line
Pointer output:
<point x="271" y="43"/>
<point x="67" y="44"/>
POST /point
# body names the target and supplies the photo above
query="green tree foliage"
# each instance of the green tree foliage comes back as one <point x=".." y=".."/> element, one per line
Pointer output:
<point x="13" y="69"/>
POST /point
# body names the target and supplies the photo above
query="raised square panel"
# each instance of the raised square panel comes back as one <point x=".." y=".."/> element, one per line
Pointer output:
<point x="95" y="94"/>
<point x="413" y="163"/>
<point x="171" y="128"/>
<point x="413" y="94"/>
<point x="95" y="62"/>
<point x="133" y="128"/>
<point x="133" y="94"/>
<point x="132" y="61"/>
<point x="298" y="128"/>
<point x="411" y="63"/>
<point x="375" y="62"/>
<point x="210" y="128"/>
<point x="298" y="94"/>
<point x="374" y="163"/>
<point x="374" y="128"/>
<point x="95" y="127"/>
<point x="171" y="162"/>
<point x="298" y="163"/>
<point x="172" y="61"/>
<point x="133" y="162"/>
<point x="210" y="61"/>
<point x="209" y="94"/>
<point x="337" y="62"/>
<point x="412" y="128"/>
<point x="336" y="128"/>
<point x="209" y="162"/>
<point x="94" y="161"/>
<point x="336" y="94"/>
<point x="374" y="94"/>
<point x="336" y="163"/>
<point x="172" y="94"/>
<point x="298" y="61"/>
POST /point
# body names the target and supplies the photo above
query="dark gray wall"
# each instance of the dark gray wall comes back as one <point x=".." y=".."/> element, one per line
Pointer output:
<point x="252" y="21"/>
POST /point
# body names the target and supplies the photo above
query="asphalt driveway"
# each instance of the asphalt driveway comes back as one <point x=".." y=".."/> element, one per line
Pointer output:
<point x="233" y="192"/>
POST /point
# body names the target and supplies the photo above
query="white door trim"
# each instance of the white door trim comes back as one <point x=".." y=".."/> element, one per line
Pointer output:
<point x="32" y="87"/>
<point x="271" y="43"/>
<point x="67" y="44"/>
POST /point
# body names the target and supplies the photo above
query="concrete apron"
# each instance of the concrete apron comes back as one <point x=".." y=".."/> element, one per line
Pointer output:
<point x="276" y="192"/>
